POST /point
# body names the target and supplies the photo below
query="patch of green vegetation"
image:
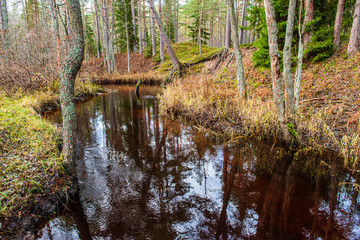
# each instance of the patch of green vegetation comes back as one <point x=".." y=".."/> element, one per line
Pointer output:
<point x="29" y="155"/>
<point x="187" y="52"/>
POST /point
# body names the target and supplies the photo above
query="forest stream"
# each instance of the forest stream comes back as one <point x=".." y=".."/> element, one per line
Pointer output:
<point x="144" y="176"/>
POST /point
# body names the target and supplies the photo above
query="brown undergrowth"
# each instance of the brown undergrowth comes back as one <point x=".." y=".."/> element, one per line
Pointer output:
<point x="329" y="108"/>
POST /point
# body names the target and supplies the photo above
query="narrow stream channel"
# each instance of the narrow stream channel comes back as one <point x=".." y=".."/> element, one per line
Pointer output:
<point x="142" y="176"/>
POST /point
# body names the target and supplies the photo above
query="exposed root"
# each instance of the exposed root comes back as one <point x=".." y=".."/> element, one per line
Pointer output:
<point x="222" y="56"/>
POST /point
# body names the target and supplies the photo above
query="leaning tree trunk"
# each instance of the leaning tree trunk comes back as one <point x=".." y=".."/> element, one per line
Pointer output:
<point x="289" y="88"/>
<point x="228" y="29"/>
<point x="240" y="77"/>
<point x="173" y="58"/>
<point x="355" y="31"/>
<point x="338" y="23"/>
<point x="275" y="67"/>
<point x="68" y="72"/>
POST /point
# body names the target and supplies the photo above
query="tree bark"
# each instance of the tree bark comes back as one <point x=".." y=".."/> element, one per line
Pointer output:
<point x="68" y="72"/>
<point x="240" y="76"/>
<point x="308" y="17"/>
<point x="173" y="58"/>
<point x="153" y="36"/>
<point x="133" y="22"/>
<point x="242" y="22"/>
<point x="97" y="28"/>
<point x="275" y="67"/>
<point x="105" y="28"/>
<point x="4" y="21"/>
<point x="53" y="9"/>
<point x="140" y="27"/>
<point x="355" y="31"/>
<point x="162" y="56"/>
<point x="289" y="88"/>
<point x="43" y="15"/>
<point x="200" y="18"/>
<point x="338" y="23"/>
<point x="127" y="38"/>
<point x="228" y="29"/>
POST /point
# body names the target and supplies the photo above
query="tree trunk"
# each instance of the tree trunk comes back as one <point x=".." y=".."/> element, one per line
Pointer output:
<point x="173" y="58"/>
<point x="97" y="28"/>
<point x="133" y="22"/>
<point x="140" y="27"/>
<point x="275" y="67"/>
<point x="68" y="72"/>
<point x="127" y="38"/>
<point x="176" y="20"/>
<point x="240" y="77"/>
<point x="242" y="22"/>
<point x="228" y="29"/>
<point x="355" y="31"/>
<point x="289" y="88"/>
<point x="53" y="9"/>
<point x="4" y="21"/>
<point x="338" y="23"/>
<point x="43" y="15"/>
<point x="106" y="41"/>
<point x="308" y="17"/>
<point x="200" y="18"/>
<point x="162" y="56"/>
<point x="300" y="58"/>
<point x="153" y="36"/>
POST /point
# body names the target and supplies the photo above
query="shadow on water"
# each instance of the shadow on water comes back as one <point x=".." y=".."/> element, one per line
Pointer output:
<point x="146" y="177"/>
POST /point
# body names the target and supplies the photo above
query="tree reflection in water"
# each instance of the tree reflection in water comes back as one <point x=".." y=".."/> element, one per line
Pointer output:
<point x="142" y="176"/>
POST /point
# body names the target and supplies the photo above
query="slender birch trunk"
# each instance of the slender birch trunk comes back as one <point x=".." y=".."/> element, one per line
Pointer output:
<point x="354" y="42"/>
<point x="68" y="72"/>
<point x="240" y="76"/>
<point x="228" y="29"/>
<point x="173" y="58"/>
<point x="338" y="23"/>
<point x="275" y="67"/>
<point x="133" y="22"/>
<point x="289" y="88"/>
<point x="127" y="38"/>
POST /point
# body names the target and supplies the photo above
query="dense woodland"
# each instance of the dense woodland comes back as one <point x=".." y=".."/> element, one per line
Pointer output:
<point x="260" y="51"/>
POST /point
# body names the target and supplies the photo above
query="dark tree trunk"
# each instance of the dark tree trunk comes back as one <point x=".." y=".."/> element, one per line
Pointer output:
<point x="68" y="72"/>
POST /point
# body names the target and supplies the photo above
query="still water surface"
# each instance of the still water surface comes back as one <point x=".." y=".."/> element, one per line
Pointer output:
<point x="142" y="176"/>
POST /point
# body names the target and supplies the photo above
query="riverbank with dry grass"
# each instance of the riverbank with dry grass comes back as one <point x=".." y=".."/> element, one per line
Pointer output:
<point x="34" y="182"/>
<point x="329" y="107"/>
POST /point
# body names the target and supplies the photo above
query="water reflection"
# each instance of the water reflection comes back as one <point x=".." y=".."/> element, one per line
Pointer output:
<point x="144" y="177"/>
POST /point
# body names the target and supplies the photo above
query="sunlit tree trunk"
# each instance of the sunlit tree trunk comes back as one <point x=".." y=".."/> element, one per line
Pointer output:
<point x="68" y="72"/>
<point x="105" y="28"/>
<point x="338" y="23"/>
<point x="240" y="76"/>
<point x="228" y="29"/>
<point x="355" y="31"/>
<point x="97" y="28"/>
<point x="308" y="17"/>
<point x="200" y="22"/>
<point x="133" y="22"/>
<point x="173" y="58"/>
<point x="275" y="67"/>
<point x="289" y="88"/>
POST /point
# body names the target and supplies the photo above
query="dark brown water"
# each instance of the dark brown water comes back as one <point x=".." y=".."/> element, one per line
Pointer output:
<point x="145" y="177"/>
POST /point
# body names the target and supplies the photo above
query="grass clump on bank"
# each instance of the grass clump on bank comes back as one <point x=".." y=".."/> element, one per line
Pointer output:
<point x="217" y="107"/>
<point x="30" y="165"/>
